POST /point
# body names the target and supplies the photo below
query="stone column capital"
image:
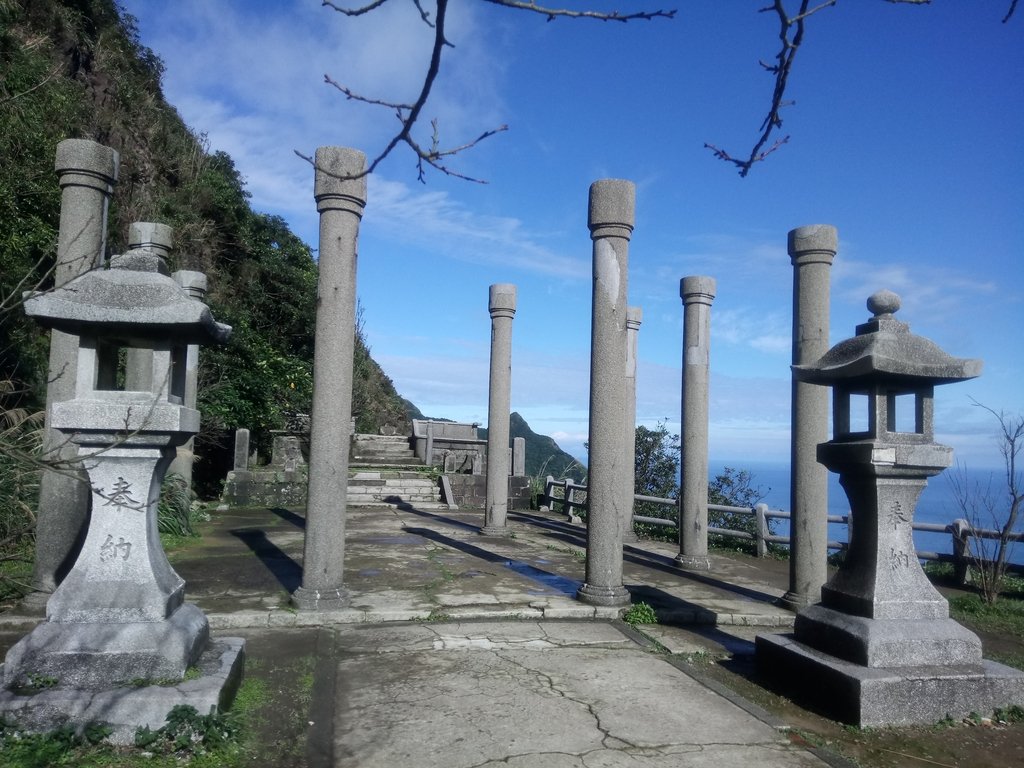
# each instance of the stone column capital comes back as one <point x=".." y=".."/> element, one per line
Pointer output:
<point x="151" y="235"/>
<point x="697" y="289"/>
<point x="335" y="189"/>
<point x="502" y="300"/>
<point x="612" y="204"/>
<point x="85" y="163"/>
<point x="194" y="283"/>
<point x="816" y="243"/>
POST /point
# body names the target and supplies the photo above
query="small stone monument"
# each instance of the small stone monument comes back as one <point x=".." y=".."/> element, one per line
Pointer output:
<point x="118" y="623"/>
<point x="880" y="648"/>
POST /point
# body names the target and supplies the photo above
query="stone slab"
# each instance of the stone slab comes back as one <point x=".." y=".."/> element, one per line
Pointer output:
<point x="886" y="643"/>
<point x="533" y="694"/>
<point x="127" y="709"/>
<point x="867" y="696"/>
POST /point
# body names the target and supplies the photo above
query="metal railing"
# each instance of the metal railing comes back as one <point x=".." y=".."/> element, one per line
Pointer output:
<point x="960" y="530"/>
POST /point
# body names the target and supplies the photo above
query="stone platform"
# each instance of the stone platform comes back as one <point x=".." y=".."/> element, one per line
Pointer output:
<point x="879" y="696"/>
<point x="124" y="708"/>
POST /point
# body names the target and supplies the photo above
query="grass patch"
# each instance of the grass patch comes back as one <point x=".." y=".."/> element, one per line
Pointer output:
<point x="1004" y="616"/>
<point x="640" y="613"/>
<point x="223" y="740"/>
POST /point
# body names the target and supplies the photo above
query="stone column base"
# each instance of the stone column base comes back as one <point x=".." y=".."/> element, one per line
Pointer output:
<point x="794" y="601"/>
<point x="690" y="563"/>
<point x="875" y="697"/>
<point x="495" y="530"/>
<point x="605" y="596"/>
<point x="320" y="599"/>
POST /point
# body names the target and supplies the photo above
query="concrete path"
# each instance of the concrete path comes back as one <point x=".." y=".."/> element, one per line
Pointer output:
<point x="409" y="564"/>
<point x="531" y="694"/>
<point x="427" y="666"/>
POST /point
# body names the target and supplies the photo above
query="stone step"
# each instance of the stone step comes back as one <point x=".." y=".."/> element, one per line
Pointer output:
<point x="368" y="438"/>
<point x="390" y="461"/>
<point x="391" y="486"/>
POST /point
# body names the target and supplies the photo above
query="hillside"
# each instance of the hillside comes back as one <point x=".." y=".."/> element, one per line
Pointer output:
<point x="543" y="456"/>
<point x="77" y="69"/>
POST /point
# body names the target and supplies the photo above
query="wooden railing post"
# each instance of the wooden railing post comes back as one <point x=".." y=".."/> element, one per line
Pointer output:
<point x="760" y="512"/>
<point x="961" y="531"/>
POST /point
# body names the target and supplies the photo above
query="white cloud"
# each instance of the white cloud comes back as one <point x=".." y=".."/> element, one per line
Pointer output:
<point x="754" y="327"/>
<point x="434" y="221"/>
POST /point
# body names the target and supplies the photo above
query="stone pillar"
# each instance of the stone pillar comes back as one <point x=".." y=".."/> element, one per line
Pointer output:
<point x="812" y="250"/>
<point x="86" y="172"/>
<point x="241" y="462"/>
<point x="634" y="317"/>
<point x="502" y="307"/>
<point x="611" y="221"/>
<point x="518" y="456"/>
<point x="340" y="202"/>
<point x="158" y="238"/>
<point x="194" y="284"/>
<point x="697" y="294"/>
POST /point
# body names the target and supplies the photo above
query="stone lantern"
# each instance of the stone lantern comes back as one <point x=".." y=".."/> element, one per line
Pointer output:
<point x="880" y="648"/>
<point x="119" y="616"/>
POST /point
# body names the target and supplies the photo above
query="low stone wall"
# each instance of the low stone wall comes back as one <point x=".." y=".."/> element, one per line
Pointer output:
<point x="471" y="491"/>
<point x="266" y="487"/>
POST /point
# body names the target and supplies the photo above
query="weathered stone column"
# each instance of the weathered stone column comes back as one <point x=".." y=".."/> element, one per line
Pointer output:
<point x="634" y="317"/>
<point x="812" y="250"/>
<point x="611" y="219"/>
<point x="195" y="285"/>
<point x="697" y="294"/>
<point x="86" y="172"/>
<point x="502" y="307"/>
<point x="158" y="238"/>
<point x="241" y="460"/>
<point x="518" y="456"/>
<point x="340" y="202"/>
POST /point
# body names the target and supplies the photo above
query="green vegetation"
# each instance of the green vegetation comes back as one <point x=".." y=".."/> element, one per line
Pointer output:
<point x="657" y="473"/>
<point x="77" y="69"/>
<point x="543" y="456"/>
<point x="223" y="739"/>
<point x="640" y="613"/>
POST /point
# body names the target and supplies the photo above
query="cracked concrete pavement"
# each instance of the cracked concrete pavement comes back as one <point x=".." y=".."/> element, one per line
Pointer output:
<point x="426" y="667"/>
<point x="532" y="694"/>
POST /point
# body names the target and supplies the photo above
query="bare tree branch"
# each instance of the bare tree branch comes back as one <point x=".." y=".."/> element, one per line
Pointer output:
<point x="408" y="114"/>
<point x="354" y="11"/>
<point x="553" y="13"/>
<point x="791" y="36"/>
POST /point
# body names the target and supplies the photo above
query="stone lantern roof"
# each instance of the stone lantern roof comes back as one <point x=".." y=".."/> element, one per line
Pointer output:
<point x="884" y="349"/>
<point x="135" y="298"/>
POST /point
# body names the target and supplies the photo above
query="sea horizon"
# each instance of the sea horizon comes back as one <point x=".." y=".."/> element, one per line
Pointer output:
<point x="937" y="503"/>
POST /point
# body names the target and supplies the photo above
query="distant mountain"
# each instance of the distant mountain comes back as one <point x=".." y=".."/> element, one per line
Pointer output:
<point x="543" y="456"/>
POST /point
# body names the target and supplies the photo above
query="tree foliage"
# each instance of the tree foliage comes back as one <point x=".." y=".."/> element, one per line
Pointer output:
<point x="77" y="69"/>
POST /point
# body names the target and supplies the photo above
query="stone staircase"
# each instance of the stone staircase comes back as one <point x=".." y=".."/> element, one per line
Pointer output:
<point x="381" y="474"/>
<point x="382" y="451"/>
<point x="387" y="487"/>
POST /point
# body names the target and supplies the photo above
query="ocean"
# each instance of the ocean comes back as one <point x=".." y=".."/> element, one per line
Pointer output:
<point x="937" y="503"/>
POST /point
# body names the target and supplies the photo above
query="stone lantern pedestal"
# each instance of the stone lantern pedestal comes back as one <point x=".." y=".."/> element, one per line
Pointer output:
<point x="880" y="648"/>
<point x="119" y="637"/>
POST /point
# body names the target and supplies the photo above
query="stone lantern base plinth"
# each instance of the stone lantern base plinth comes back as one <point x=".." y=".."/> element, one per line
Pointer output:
<point x="125" y="708"/>
<point x="102" y="655"/>
<point x="884" y="696"/>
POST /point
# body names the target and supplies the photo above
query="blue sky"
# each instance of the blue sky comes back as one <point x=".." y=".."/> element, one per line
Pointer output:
<point x="906" y="135"/>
